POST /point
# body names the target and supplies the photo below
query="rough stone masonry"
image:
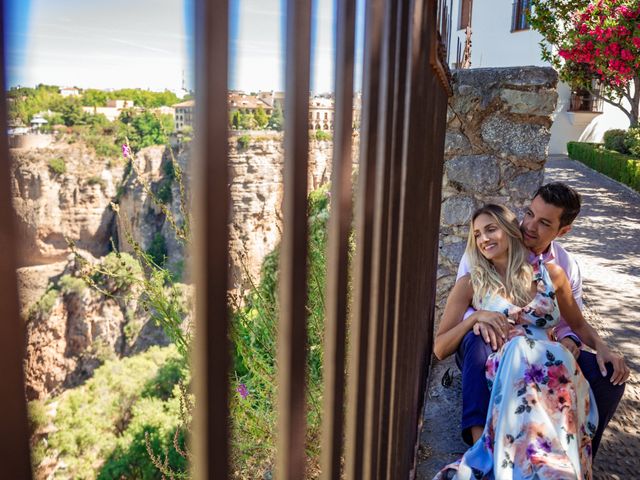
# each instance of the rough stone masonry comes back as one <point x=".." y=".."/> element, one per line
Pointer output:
<point x="498" y="130"/>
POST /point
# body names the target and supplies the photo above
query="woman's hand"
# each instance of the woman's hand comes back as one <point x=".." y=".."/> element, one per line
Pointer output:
<point x="604" y="355"/>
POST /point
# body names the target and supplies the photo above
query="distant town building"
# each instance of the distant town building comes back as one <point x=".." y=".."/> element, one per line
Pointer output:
<point x="247" y="103"/>
<point x="121" y="104"/>
<point x="69" y="91"/>
<point x="321" y="113"/>
<point x="272" y="98"/>
<point x="164" y="110"/>
<point x="36" y="123"/>
<point x="113" y="109"/>
<point x="184" y="114"/>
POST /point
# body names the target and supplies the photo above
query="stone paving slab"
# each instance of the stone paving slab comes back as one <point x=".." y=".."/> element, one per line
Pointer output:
<point x="606" y="242"/>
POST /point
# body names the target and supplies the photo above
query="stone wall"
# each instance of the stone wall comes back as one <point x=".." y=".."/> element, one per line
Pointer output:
<point x="498" y="130"/>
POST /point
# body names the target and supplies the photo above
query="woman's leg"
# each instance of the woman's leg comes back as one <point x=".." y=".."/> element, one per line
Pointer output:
<point x="471" y="359"/>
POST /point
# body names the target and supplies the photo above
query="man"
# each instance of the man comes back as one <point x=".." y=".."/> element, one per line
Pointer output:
<point x="553" y="209"/>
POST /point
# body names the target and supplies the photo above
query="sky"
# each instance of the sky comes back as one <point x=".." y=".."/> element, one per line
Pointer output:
<point x="149" y="44"/>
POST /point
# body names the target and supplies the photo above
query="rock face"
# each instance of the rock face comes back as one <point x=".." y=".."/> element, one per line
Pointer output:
<point x="496" y="144"/>
<point x="256" y="197"/>
<point x="73" y="329"/>
<point x="71" y="204"/>
<point x="70" y="332"/>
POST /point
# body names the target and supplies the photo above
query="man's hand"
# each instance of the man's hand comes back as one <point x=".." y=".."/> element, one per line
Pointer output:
<point x="570" y="345"/>
<point x="496" y="320"/>
<point x="489" y="334"/>
<point x="620" y="370"/>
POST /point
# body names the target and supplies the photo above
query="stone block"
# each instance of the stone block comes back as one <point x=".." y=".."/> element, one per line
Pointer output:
<point x="523" y="186"/>
<point x="476" y="173"/>
<point x="453" y="251"/>
<point x="455" y="143"/>
<point x="458" y="210"/>
<point x="505" y="136"/>
<point x="530" y="103"/>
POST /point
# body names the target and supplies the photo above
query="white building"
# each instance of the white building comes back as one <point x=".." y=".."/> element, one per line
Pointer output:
<point x="501" y="37"/>
<point x="69" y="91"/>
<point x="113" y="109"/>
<point x="184" y="114"/>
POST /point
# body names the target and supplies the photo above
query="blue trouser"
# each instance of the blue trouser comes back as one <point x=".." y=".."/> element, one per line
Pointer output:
<point x="471" y="358"/>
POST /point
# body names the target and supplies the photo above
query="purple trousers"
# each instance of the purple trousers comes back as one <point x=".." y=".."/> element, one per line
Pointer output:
<point x="471" y="358"/>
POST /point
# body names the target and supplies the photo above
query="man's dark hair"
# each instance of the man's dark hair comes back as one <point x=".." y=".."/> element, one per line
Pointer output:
<point x="563" y="196"/>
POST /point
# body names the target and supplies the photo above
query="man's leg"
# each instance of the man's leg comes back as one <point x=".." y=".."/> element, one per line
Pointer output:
<point x="607" y="395"/>
<point x="471" y="358"/>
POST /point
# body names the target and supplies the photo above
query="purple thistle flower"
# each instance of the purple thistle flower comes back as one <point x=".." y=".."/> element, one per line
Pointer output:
<point x="125" y="150"/>
<point x="243" y="391"/>
<point x="544" y="444"/>
<point x="534" y="374"/>
<point x="530" y="450"/>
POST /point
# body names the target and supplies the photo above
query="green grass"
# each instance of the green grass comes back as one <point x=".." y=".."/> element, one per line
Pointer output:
<point x="620" y="167"/>
<point x="57" y="166"/>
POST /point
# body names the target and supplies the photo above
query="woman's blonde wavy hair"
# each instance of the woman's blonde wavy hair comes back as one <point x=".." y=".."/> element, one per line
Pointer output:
<point x="484" y="277"/>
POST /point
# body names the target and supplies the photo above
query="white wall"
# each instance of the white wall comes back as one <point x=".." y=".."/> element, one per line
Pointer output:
<point x="494" y="45"/>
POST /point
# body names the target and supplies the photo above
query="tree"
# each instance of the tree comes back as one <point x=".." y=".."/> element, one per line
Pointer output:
<point x="144" y="129"/>
<point x="276" y="122"/>
<point x="247" y="121"/>
<point x="594" y="41"/>
<point x="261" y="117"/>
<point x="72" y="113"/>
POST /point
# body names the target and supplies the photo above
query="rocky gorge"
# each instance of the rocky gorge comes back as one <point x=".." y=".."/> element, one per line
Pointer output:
<point x="496" y="145"/>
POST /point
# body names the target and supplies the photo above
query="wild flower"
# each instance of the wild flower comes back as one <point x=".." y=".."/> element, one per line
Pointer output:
<point x="243" y="391"/>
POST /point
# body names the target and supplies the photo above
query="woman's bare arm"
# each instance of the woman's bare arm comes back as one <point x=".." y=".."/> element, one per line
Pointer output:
<point x="451" y="330"/>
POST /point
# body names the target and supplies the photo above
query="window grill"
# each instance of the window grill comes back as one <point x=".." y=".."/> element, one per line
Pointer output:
<point x="519" y="16"/>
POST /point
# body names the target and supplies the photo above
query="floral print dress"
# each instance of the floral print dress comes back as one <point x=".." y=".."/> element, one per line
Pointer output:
<point x="542" y="413"/>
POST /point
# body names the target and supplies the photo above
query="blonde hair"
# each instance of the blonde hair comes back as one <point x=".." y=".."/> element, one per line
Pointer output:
<point x="484" y="278"/>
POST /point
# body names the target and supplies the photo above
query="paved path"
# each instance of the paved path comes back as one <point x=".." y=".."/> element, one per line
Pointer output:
<point x="606" y="242"/>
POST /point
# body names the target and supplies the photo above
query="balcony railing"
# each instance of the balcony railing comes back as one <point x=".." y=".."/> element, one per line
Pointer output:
<point x="585" y="101"/>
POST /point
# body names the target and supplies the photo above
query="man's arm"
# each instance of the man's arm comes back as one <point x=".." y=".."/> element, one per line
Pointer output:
<point x="572" y="269"/>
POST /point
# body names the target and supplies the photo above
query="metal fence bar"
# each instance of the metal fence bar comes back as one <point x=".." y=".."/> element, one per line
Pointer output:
<point x="338" y="246"/>
<point x="390" y="138"/>
<point x="292" y="328"/>
<point x="14" y="440"/>
<point x="359" y="327"/>
<point x="417" y="239"/>
<point x="212" y="202"/>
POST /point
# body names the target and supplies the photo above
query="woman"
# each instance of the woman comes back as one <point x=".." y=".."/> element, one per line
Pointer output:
<point x="541" y="414"/>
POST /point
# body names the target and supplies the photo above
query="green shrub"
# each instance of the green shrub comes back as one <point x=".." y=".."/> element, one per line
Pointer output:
<point x="46" y="302"/>
<point x="614" y="140"/>
<point x="164" y="193"/>
<point x="323" y="136"/>
<point x="97" y="181"/>
<point x="117" y="272"/>
<point x="100" y="426"/>
<point x="69" y="284"/>
<point x="57" y="165"/>
<point x="632" y="141"/>
<point x="37" y="415"/>
<point x="158" y="249"/>
<point x="623" y="168"/>
<point x="244" y="141"/>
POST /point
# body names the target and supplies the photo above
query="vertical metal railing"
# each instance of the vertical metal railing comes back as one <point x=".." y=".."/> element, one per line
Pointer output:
<point x="397" y="213"/>
<point x="338" y="246"/>
<point x="211" y="201"/>
<point x="292" y="324"/>
<point x="14" y="433"/>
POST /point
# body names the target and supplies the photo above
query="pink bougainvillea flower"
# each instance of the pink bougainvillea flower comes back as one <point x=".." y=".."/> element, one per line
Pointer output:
<point x="243" y="391"/>
<point x="125" y="150"/>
